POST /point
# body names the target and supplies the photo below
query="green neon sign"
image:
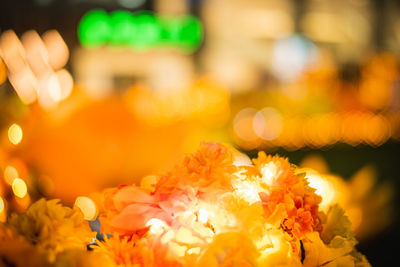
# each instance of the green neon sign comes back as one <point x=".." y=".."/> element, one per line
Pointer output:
<point x="140" y="30"/>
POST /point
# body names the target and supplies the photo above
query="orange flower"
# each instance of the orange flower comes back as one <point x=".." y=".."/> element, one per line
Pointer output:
<point x="210" y="166"/>
<point x="208" y="212"/>
<point x="124" y="251"/>
<point x="289" y="189"/>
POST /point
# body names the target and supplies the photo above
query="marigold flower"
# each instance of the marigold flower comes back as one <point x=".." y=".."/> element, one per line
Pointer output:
<point x="53" y="228"/>
<point x="15" y="250"/>
<point x="208" y="211"/>
<point x="82" y="258"/>
<point x="211" y="165"/>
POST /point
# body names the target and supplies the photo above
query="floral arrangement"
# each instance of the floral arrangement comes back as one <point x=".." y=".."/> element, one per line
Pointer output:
<point x="215" y="208"/>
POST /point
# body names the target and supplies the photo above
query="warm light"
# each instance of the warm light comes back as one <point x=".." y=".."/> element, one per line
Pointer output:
<point x="12" y="51"/>
<point x="87" y="206"/>
<point x="193" y="251"/>
<point x="10" y="173"/>
<point x="167" y="237"/>
<point x="185" y="236"/>
<point x="1" y="205"/>
<point x="178" y="250"/>
<point x="268" y="123"/>
<point x="54" y="88"/>
<point x="66" y="83"/>
<point x="203" y="216"/>
<point x="268" y="173"/>
<point x="157" y="226"/>
<point x="247" y="190"/>
<point x="243" y="125"/>
<point x="57" y="49"/>
<point x="324" y="188"/>
<point x="15" y="134"/>
<point x="3" y="214"/>
<point x="25" y="84"/>
<point x="19" y="188"/>
<point x="3" y="72"/>
<point x="36" y="53"/>
<point x="291" y="56"/>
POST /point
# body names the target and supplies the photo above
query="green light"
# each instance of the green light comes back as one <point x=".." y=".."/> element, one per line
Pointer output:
<point x="148" y="30"/>
<point x="185" y="32"/>
<point x="123" y="25"/>
<point x="94" y="28"/>
<point x="170" y="29"/>
<point x="191" y="33"/>
<point x="140" y="30"/>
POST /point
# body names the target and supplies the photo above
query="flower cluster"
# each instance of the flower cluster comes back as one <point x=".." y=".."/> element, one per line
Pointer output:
<point x="45" y="231"/>
<point x="215" y="208"/>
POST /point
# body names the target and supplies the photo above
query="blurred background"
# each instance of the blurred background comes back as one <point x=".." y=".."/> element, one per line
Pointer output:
<point x="95" y="93"/>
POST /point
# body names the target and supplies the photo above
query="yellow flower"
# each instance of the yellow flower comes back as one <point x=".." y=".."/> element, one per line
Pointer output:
<point x="15" y="250"/>
<point x="336" y="223"/>
<point x="53" y="228"/>
<point x="123" y="251"/>
<point x="336" y="244"/>
<point x="81" y="258"/>
<point x="230" y="249"/>
<point x="209" y="212"/>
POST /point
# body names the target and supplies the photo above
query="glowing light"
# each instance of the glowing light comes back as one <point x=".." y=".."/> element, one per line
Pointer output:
<point x="184" y="235"/>
<point x="66" y="83"/>
<point x="15" y="134"/>
<point x="10" y="173"/>
<point x="54" y="88"/>
<point x="243" y="125"/>
<point x="19" y="188"/>
<point x="157" y="226"/>
<point x="291" y="56"/>
<point x="87" y="206"/>
<point x="269" y="171"/>
<point x="3" y="213"/>
<point x="167" y="237"/>
<point x="25" y="84"/>
<point x="324" y="188"/>
<point x="247" y="190"/>
<point x="140" y="30"/>
<point x="148" y="30"/>
<point x="2" y="206"/>
<point x="268" y="123"/>
<point x="203" y="216"/>
<point x="36" y="53"/>
<point x="3" y="72"/>
<point x="193" y="251"/>
<point x="123" y="27"/>
<point x="12" y="51"/>
<point x="178" y="250"/>
<point x="57" y="49"/>
<point x="94" y="28"/>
